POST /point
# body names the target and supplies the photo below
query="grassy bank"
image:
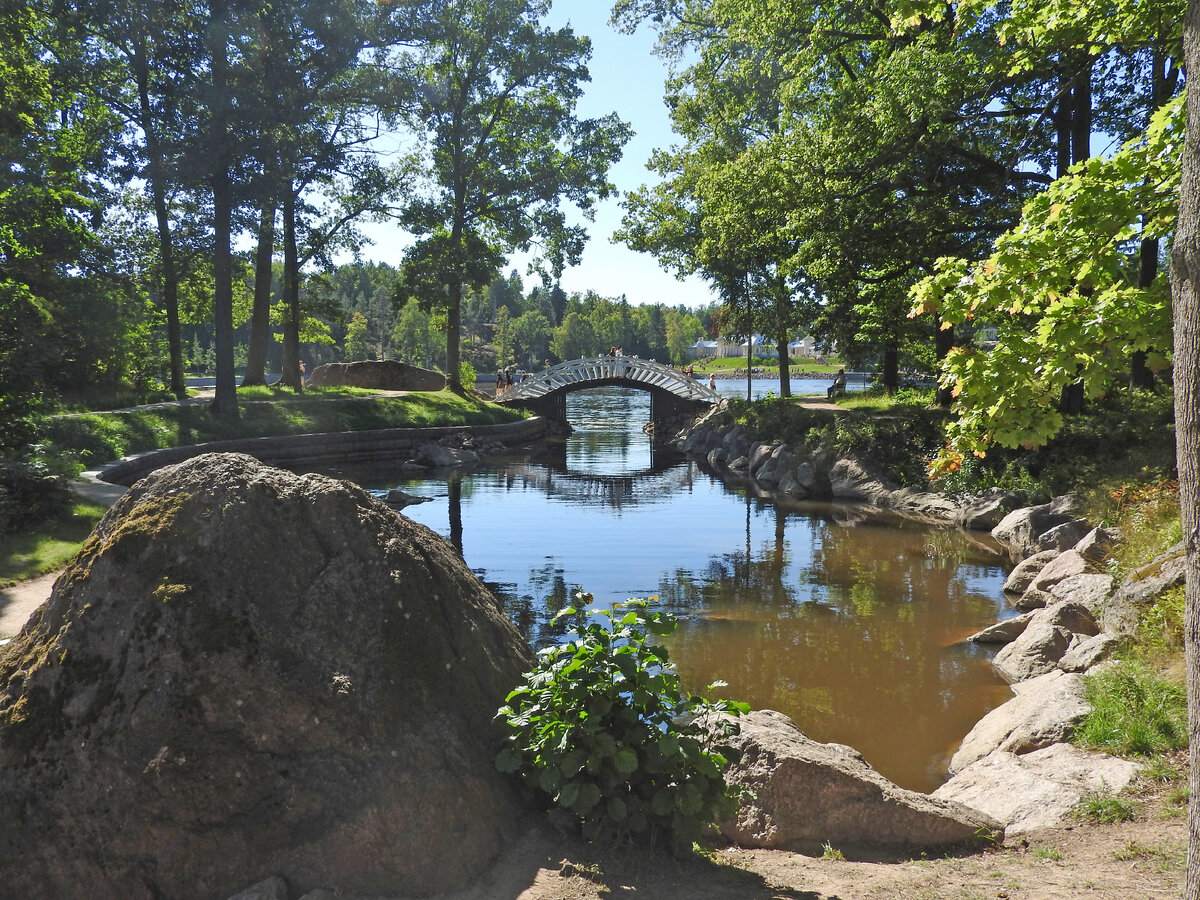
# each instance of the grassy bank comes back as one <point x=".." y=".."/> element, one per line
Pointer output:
<point x="1120" y="441"/>
<point x="72" y="442"/>
<point x="89" y="439"/>
<point x="48" y="545"/>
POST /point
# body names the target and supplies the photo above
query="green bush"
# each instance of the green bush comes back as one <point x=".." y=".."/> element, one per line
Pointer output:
<point x="602" y="726"/>
<point x="1134" y="712"/>
<point x="30" y="491"/>
<point x="467" y="374"/>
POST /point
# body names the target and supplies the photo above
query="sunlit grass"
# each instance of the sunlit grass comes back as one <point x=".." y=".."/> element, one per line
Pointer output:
<point x="1134" y="712"/>
<point x="48" y="546"/>
<point x="95" y="438"/>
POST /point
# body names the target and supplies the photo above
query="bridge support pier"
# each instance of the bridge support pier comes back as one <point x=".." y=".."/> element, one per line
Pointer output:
<point x="551" y="407"/>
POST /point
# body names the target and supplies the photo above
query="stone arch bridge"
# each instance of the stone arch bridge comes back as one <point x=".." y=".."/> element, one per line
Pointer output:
<point x="672" y="393"/>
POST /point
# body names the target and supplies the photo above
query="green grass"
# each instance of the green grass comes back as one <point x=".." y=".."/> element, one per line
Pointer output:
<point x="94" y="438"/>
<point x="1135" y="712"/>
<point x="48" y="546"/>
<point x="1104" y="808"/>
<point x="767" y="364"/>
<point x="1050" y="854"/>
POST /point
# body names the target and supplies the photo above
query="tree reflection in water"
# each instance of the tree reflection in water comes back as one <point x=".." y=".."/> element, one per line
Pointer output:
<point x="849" y="621"/>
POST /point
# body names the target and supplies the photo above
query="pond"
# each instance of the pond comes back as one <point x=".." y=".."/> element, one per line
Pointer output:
<point x="849" y="620"/>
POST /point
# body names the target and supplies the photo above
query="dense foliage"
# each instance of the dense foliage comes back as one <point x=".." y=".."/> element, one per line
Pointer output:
<point x="1122" y="437"/>
<point x="602" y="726"/>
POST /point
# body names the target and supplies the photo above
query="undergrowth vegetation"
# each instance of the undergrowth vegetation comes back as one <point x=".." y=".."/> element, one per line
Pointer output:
<point x="1134" y="712"/>
<point x="602" y="727"/>
<point x="1127" y="437"/>
<point x="88" y="439"/>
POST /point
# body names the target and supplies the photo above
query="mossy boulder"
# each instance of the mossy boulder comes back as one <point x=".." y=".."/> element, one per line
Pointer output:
<point x="245" y="673"/>
<point x="384" y="375"/>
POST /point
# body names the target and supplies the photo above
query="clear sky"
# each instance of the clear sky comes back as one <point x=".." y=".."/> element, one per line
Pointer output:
<point x="627" y="79"/>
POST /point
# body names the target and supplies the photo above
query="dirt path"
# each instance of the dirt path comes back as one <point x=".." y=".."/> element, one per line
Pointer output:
<point x="21" y="599"/>
<point x="1143" y="859"/>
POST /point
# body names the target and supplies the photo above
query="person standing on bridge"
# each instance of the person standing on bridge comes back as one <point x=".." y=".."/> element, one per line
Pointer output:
<point x="712" y="382"/>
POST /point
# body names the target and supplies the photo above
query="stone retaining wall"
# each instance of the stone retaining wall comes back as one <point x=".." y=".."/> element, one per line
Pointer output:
<point x="295" y="450"/>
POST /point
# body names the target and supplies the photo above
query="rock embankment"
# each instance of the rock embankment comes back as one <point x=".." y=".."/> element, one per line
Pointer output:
<point x="1015" y="765"/>
<point x="777" y="470"/>
<point x="799" y="794"/>
<point x="248" y="673"/>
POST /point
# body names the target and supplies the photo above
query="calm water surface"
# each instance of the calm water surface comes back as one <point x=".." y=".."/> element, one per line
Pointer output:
<point x="849" y="621"/>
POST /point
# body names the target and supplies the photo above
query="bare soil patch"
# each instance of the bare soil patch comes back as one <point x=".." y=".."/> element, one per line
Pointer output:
<point x="1139" y="859"/>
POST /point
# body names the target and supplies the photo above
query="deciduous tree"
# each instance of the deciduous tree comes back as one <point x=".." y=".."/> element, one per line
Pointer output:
<point x="496" y="107"/>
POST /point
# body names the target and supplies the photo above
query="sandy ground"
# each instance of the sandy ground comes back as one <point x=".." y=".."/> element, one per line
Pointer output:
<point x="1139" y="860"/>
<point x="20" y="600"/>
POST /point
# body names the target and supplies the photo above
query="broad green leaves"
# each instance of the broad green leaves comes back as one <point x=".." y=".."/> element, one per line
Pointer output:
<point x="603" y="727"/>
<point x="1062" y="290"/>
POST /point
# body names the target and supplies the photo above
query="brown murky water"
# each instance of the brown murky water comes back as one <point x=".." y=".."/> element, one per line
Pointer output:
<point x="849" y="621"/>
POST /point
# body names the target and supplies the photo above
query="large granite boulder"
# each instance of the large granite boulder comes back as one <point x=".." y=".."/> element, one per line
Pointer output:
<point x="987" y="510"/>
<point x="1036" y="652"/>
<point x="803" y="794"/>
<point x="246" y="673"/>
<point x="1039" y="789"/>
<point x="1021" y="528"/>
<point x="1044" y="711"/>
<point x="1023" y="573"/>
<point x="1089" y="588"/>
<point x="383" y="375"/>
<point x="1045" y="640"/>
<point x="1129" y="602"/>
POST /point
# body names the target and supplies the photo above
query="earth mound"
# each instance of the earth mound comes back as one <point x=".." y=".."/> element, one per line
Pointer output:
<point x="383" y="375"/>
<point x="247" y="672"/>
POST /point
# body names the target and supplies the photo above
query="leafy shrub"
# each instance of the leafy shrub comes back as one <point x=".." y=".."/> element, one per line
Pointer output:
<point x="466" y="374"/>
<point x="1161" y="624"/>
<point x="1134" y="712"/>
<point x="602" y="726"/>
<point x="30" y="491"/>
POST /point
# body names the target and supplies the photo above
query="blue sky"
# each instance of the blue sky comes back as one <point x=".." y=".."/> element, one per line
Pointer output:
<point x="627" y="79"/>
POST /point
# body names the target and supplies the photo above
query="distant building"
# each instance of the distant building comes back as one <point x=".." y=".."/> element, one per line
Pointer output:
<point x="702" y="349"/>
<point x="805" y="347"/>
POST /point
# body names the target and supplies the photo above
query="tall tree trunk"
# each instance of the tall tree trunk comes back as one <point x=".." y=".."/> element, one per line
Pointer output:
<point x="749" y="340"/>
<point x="1185" y="282"/>
<point x="943" y="343"/>
<point x="291" y="296"/>
<point x="782" y="303"/>
<point x="1079" y="101"/>
<point x="1140" y="375"/>
<point x="781" y="351"/>
<point x="453" y="324"/>
<point x="891" y="368"/>
<point x="225" y="398"/>
<point x="156" y="177"/>
<point x="260" y="317"/>
<point x="1163" y="79"/>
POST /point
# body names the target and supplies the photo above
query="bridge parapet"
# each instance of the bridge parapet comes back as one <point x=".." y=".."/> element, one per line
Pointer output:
<point x="580" y="374"/>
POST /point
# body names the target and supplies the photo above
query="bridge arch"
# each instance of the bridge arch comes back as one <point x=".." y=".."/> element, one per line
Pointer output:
<point x="671" y="392"/>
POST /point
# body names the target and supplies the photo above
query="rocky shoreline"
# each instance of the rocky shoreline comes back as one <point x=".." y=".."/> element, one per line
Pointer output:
<point x="1015" y="765"/>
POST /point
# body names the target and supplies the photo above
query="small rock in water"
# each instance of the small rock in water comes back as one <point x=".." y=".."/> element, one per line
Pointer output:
<point x="397" y="497"/>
